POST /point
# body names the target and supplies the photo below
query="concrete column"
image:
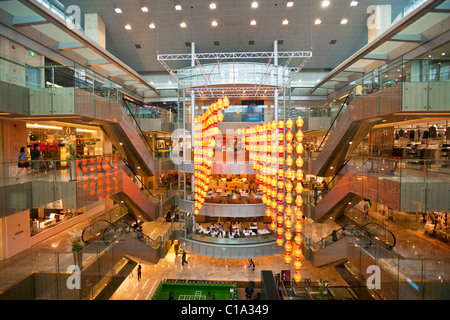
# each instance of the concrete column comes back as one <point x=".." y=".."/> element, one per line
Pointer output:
<point x="95" y="28"/>
<point x="379" y="21"/>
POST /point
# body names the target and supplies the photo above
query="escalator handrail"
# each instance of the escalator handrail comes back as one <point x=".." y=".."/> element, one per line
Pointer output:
<point x="159" y="238"/>
<point x="102" y="233"/>
<point x="337" y="173"/>
<point x="334" y="119"/>
<point x="140" y="180"/>
<point x="384" y="228"/>
<point x="125" y="103"/>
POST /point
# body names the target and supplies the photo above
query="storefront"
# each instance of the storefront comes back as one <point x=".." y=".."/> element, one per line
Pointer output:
<point x="54" y="139"/>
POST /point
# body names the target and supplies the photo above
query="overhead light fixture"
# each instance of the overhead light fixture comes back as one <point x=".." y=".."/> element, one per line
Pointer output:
<point x="253" y="22"/>
<point x="344" y="21"/>
<point x="212" y="5"/>
<point x="128" y="27"/>
<point x="152" y="26"/>
<point x="325" y="3"/>
<point x="118" y="10"/>
<point x="285" y="21"/>
<point x="354" y="3"/>
<point x="318" y="21"/>
<point x="290" y="4"/>
<point x="443" y="53"/>
<point x="254" y="4"/>
<point x="214" y="23"/>
<point x="178" y="7"/>
<point x="183" y="24"/>
<point x="144" y="9"/>
<point x="40" y="126"/>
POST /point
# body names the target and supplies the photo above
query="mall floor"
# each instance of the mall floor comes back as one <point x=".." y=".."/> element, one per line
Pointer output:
<point x="411" y="244"/>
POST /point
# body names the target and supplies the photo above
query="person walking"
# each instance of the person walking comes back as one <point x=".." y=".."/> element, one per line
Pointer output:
<point x="23" y="163"/>
<point x="139" y="272"/>
<point x="183" y="258"/>
<point x="316" y="195"/>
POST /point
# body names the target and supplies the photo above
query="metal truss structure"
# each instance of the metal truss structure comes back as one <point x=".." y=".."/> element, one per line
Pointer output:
<point x="293" y="63"/>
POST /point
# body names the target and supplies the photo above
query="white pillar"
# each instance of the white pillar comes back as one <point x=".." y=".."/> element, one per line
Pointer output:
<point x="379" y="21"/>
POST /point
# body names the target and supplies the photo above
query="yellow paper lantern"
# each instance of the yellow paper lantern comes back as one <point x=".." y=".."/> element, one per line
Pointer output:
<point x="289" y="136"/>
<point x="299" y="175"/>
<point x="289" y="123"/>
<point x="280" y="124"/>
<point x="299" y="188"/>
<point x="299" y="149"/>
<point x="289" y="161"/>
<point x="299" y="122"/>
<point x="289" y="173"/>
<point x="299" y="201"/>
<point x="289" y="198"/>
<point x="280" y="242"/>
<point x="297" y="277"/>
<point x="298" y="227"/>
<point x="288" y="211"/>
<point x="287" y="258"/>
<point x="288" y="246"/>
<point x="288" y="235"/>
<point x="298" y="162"/>
<point x="280" y="231"/>
<point x="297" y="264"/>
<point x="280" y="219"/>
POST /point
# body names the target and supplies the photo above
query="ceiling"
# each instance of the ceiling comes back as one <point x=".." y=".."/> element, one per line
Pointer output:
<point x="234" y="31"/>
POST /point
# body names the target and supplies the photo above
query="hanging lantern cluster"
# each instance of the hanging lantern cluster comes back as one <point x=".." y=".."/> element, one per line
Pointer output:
<point x="205" y="129"/>
<point x="261" y="143"/>
<point x="298" y="214"/>
<point x="98" y="177"/>
<point x="269" y="150"/>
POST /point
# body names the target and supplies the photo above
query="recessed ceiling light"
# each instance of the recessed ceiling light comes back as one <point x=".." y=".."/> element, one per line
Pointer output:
<point x="325" y="3"/>
<point x="443" y="53"/>
<point x="318" y="21"/>
<point x="152" y="26"/>
<point x="214" y="23"/>
<point x="177" y="7"/>
<point x="254" y="4"/>
<point x="212" y="5"/>
<point x="253" y="22"/>
<point x="118" y="10"/>
<point x="128" y="27"/>
<point x="144" y="9"/>
<point x="354" y="3"/>
<point x="344" y="21"/>
<point x="285" y="21"/>
<point x="290" y="4"/>
<point x="183" y="24"/>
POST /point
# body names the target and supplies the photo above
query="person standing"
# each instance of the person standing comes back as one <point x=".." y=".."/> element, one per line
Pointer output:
<point x="183" y="258"/>
<point x="139" y="272"/>
<point x="35" y="156"/>
<point x="316" y="195"/>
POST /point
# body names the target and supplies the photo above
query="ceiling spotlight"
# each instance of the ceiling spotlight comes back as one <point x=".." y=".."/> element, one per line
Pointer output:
<point x="318" y="21"/>
<point x="354" y="3"/>
<point x="290" y="4"/>
<point x="285" y="21"/>
<point x="177" y="7"/>
<point x="118" y="10"/>
<point x="212" y="5"/>
<point x="254" y="4"/>
<point x="253" y="22"/>
<point x="325" y="3"/>
<point x="344" y="21"/>
<point x="144" y="9"/>
<point x="183" y="24"/>
<point x="128" y="27"/>
<point x="214" y="23"/>
<point x="152" y="26"/>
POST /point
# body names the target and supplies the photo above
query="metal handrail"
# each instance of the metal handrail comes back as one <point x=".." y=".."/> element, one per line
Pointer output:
<point x="334" y="120"/>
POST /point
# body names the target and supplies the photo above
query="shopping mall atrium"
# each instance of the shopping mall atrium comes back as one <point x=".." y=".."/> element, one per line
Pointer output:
<point x="224" y="150"/>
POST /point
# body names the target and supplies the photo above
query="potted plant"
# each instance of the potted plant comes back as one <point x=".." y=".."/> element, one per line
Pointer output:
<point x="77" y="246"/>
<point x="72" y="161"/>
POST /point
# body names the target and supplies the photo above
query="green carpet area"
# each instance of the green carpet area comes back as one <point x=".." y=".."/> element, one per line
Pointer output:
<point x="195" y="291"/>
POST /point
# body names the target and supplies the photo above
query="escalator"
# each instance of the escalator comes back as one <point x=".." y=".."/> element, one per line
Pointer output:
<point x="333" y="249"/>
<point x="336" y="201"/>
<point x="126" y="136"/>
<point x="342" y="138"/>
